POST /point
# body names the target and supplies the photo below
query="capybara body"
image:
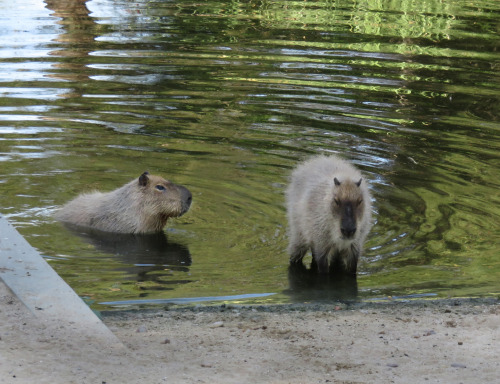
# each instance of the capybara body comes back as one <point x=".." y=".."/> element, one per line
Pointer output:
<point x="329" y="212"/>
<point x="142" y="206"/>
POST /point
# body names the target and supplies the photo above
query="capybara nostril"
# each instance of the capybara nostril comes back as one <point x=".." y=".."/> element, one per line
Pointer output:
<point x="348" y="232"/>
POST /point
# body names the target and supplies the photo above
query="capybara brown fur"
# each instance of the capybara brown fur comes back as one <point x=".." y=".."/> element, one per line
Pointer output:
<point x="329" y="212"/>
<point x="142" y="206"/>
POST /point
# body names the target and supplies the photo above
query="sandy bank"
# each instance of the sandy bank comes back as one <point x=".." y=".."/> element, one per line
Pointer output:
<point x="430" y="341"/>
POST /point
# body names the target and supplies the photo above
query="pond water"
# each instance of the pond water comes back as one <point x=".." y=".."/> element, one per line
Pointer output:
<point x="225" y="97"/>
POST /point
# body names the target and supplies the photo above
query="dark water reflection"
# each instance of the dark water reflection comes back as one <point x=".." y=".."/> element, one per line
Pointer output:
<point x="225" y="98"/>
<point x="144" y="257"/>
<point x="306" y="285"/>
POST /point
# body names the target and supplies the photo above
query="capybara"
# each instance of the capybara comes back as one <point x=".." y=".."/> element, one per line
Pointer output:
<point x="142" y="206"/>
<point x="329" y="212"/>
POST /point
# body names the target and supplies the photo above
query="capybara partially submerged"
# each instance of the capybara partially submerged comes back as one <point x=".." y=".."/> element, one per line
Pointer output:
<point x="329" y="212"/>
<point x="142" y="206"/>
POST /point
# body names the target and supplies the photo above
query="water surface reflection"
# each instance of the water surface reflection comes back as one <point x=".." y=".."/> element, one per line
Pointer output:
<point x="306" y="285"/>
<point x="226" y="98"/>
<point x="143" y="257"/>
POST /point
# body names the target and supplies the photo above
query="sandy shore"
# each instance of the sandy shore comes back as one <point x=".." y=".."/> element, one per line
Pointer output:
<point x="454" y="341"/>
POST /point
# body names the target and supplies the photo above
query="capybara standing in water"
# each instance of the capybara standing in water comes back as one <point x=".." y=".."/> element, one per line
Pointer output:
<point x="329" y="212"/>
<point x="141" y="206"/>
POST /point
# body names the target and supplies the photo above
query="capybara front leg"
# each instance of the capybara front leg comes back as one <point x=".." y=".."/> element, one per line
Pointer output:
<point x="350" y="259"/>
<point x="297" y="253"/>
<point x="321" y="262"/>
<point x="336" y="264"/>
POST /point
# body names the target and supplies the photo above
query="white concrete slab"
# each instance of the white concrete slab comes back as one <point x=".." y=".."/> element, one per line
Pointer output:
<point x="42" y="290"/>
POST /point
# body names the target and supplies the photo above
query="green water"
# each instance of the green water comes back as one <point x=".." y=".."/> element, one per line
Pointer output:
<point x="225" y="97"/>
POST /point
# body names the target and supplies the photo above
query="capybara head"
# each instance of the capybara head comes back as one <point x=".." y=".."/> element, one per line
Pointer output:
<point x="162" y="197"/>
<point x="348" y="206"/>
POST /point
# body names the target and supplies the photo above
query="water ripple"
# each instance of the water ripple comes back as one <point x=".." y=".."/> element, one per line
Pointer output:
<point x="226" y="98"/>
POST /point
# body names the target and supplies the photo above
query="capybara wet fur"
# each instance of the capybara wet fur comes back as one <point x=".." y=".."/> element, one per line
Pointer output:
<point x="142" y="206"/>
<point x="329" y="212"/>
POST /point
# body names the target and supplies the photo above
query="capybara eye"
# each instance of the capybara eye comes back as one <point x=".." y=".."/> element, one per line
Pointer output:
<point x="160" y="187"/>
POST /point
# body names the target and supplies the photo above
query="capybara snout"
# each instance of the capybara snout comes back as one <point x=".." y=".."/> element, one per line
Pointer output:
<point x="186" y="199"/>
<point x="348" y="227"/>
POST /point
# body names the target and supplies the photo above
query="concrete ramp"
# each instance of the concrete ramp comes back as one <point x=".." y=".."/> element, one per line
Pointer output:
<point x="42" y="291"/>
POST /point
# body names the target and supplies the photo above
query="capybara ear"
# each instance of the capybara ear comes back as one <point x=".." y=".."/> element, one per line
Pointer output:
<point x="336" y="181"/>
<point x="144" y="179"/>
<point x="359" y="182"/>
